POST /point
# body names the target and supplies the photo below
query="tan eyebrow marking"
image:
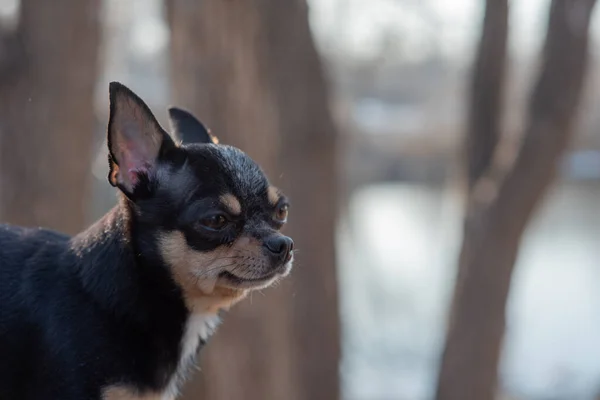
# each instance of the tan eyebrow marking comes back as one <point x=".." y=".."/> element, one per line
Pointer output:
<point x="273" y="194"/>
<point x="232" y="204"/>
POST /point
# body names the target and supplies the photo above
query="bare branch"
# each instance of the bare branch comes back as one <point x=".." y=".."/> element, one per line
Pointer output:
<point x="485" y="109"/>
<point x="552" y="108"/>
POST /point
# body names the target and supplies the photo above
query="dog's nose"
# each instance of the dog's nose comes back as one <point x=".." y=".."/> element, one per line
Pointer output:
<point x="280" y="246"/>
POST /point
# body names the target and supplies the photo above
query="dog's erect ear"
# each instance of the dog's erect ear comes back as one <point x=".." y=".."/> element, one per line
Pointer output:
<point x="188" y="129"/>
<point x="135" y="138"/>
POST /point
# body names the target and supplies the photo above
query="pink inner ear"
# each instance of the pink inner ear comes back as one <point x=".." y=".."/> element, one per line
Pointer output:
<point x="135" y="162"/>
<point x="134" y="174"/>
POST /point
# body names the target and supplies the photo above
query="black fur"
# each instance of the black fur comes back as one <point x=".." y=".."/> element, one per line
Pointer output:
<point x="187" y="128"/>
<point x="78" y="314"/>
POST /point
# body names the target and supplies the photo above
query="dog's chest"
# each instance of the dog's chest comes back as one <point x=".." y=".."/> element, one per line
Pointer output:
<point x="199" y="328"/>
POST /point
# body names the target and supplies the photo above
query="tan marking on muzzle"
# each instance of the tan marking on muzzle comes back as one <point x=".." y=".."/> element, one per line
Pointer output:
<point x="231" y="203"/>
<point x="197" y="273"/>
<point x="124" y="393"/>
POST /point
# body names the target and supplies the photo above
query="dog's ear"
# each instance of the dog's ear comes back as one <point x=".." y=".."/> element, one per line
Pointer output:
<point x="135" y="139"/>
<point x="188" y="129"/>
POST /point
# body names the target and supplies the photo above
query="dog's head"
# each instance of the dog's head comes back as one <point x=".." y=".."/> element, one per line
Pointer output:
<point x="206" y="209"/>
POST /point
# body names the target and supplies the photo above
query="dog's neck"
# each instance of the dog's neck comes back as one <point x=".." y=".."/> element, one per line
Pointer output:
<point x="117" y="252"/>
<point x="137" y="289"/>
<point x="117" y="275"/>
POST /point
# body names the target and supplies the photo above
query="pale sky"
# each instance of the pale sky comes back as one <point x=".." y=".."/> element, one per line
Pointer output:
<point x="356" y="26"/>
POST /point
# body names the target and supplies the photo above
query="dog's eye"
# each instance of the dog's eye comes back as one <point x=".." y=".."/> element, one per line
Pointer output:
<point x="281" y="213"/>
<point x="214" y="222"/>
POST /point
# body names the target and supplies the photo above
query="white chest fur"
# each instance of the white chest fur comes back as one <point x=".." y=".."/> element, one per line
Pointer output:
<point x="199" y="327"/>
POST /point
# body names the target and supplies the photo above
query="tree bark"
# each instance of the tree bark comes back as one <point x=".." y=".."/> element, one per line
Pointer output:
<point x="47" y="80"/>
<point x="501" y="205"/>
<point x="249" y="69"/>
<point x="309" y="161"/>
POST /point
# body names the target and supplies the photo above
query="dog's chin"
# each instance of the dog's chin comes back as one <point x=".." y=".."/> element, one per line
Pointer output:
<point x="251" y="281"/>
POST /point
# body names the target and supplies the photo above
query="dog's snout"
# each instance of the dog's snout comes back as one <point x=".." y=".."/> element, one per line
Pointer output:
<point x="280" y="246"/>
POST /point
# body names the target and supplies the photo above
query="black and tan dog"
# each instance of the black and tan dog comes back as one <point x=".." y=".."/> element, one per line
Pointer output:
<point x="120" y="310"/>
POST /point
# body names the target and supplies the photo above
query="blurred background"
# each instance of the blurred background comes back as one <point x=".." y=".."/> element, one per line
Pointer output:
<point x="442" y="158"/>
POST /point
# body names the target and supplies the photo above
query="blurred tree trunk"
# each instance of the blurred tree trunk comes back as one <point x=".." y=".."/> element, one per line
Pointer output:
<point x="308" y="161"/>
<point x="250" y="70"/>
<point x="216" y="72"/>
<point x="48" y="66"/>
<point x="502" y="199"/>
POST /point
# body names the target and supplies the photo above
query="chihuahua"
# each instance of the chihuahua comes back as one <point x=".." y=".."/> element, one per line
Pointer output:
<point x="121" y="310"/>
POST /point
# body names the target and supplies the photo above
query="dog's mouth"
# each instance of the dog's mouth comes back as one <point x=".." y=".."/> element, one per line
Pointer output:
<point x="234" y="280"/>
<point x="239" y="279"/>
